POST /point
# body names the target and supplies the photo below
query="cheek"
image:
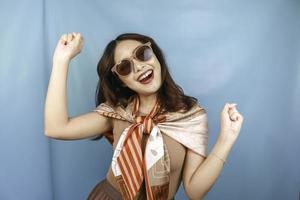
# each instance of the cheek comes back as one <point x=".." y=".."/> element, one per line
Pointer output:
<point x="158" y="72"/>
<point x="157" y="65"/>
<point x="127" y="81"/>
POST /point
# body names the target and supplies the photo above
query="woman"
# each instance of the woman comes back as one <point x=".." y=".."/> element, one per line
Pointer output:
<point x="159" y="135"/>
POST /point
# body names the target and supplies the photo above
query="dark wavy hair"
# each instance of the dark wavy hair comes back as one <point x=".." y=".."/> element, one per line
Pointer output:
<point x="109" y="89"/>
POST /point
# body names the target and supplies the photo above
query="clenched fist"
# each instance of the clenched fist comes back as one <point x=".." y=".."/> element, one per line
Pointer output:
<point x="68" y="46"/>
<point x="231" y="123"/>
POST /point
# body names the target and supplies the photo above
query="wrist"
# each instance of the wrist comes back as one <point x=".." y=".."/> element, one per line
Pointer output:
<point x="225" y="142"/>
<point x="61" y="62"/>
<point x="226" y="139"/>
<point x="221" y="149"/>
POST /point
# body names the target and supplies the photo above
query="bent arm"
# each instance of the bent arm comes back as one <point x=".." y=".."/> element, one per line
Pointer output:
<point x="58" y="124"/>
<point x="200" y="176"/>
<point x="56" y="113"/>
<point x="81" y="127"/>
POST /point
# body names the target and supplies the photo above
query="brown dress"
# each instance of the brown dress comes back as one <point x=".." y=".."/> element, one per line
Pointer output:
<point x="109" y="188"/>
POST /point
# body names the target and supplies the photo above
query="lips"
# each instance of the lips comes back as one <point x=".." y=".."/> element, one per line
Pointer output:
<point x="145" y="74"/>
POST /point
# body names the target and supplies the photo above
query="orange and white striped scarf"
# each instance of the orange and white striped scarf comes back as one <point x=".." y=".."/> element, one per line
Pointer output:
<point x="131" y="164"/>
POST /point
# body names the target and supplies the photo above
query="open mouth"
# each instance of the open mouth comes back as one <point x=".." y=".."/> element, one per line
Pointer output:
<point x="147" y="77"/>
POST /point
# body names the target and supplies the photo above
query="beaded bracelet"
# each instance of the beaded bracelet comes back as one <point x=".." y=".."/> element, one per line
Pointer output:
<point x="219" y="158"/>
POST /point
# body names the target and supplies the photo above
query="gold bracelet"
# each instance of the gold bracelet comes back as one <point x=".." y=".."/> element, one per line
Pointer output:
<point x="219" y="158"/>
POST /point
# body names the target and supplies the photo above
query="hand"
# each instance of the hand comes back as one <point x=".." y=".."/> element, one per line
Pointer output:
<point x="231" y="122"/>
<point x="68" y="46"/>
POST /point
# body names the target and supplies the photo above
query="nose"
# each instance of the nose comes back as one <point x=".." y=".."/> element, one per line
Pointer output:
<point x="137" y="66"/>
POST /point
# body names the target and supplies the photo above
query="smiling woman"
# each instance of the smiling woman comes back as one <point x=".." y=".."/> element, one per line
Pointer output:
<point x="129" y="56"/>
<point x="159" y="134"/>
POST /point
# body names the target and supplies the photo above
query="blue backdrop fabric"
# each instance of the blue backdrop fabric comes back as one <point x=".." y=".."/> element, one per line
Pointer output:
<point x="245" y="52"/>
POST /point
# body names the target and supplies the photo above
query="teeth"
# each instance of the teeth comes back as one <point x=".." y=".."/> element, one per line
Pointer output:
<point x="145" y="75"/>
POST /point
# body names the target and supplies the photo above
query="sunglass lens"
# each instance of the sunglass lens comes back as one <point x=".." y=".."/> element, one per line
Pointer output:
<point x="124" y="68"/>
<point x="144" y="53"/>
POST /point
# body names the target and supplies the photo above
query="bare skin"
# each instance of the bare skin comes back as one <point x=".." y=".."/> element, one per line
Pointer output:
<point x="58" y="124"/>
<point x="199" y="173"/>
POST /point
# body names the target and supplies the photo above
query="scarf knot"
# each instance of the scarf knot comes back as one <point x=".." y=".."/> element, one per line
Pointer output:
<point x="147" y="123"/>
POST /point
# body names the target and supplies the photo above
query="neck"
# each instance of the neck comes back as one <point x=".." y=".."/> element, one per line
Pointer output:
<point x="147" y="103"/>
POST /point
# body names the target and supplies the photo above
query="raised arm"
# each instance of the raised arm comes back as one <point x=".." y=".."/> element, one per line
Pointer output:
<point x="58" y="124"/>
<point x="200" y="173"/>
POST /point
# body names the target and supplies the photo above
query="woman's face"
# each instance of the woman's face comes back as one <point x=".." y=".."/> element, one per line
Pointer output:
<point x="134" y="80"/>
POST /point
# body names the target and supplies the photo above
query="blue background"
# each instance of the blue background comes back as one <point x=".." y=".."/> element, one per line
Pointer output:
<point x="247" y="52"/>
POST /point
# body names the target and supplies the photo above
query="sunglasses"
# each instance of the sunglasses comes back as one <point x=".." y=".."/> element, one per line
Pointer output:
<point x="142" y="53"/>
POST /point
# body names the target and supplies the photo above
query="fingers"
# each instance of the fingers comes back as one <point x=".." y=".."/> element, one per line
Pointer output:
<point x="79" y="40"/>
<point x="227" y="106"/>
<point x="239" y="117"/>
<point x="78" y="36"/>
<point x="63" y="39"/>
<point x="69" y="37"/>
<point x="233" y="113"/>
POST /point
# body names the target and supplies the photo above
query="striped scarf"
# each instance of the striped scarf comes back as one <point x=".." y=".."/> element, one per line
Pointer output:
<point x="131" y="163"/>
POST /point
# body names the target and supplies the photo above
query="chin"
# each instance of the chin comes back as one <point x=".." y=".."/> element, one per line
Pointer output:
<point x="149" y="92"/>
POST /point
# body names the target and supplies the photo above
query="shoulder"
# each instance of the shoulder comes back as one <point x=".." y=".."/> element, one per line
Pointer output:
<point x="200" y="113"/>
<point x="105" y="106"/>
<point x="196" y="111"/>
<point x="198" y="107"/>
<point x="109" y="111"/>
<point x="118" y="115"/>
